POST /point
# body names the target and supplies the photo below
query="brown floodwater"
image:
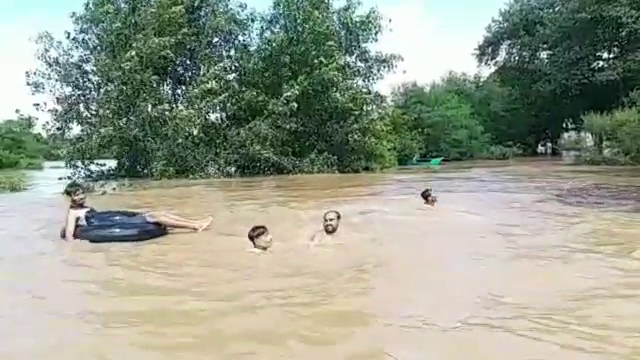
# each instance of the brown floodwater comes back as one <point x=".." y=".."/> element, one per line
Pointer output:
<point x="535" y="260"/>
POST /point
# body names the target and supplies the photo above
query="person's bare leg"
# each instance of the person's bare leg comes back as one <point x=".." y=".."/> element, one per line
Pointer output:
<point x="178" y="222"/>
<point x="205" y="223"/>
<point x="202" y="224"/>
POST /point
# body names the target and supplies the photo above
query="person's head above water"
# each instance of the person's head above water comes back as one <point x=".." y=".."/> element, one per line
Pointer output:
<point x="75" y="191"/>
<point x="260" y="237"/>
<point x="331" y="221"/>
<point x="428" y="197"/>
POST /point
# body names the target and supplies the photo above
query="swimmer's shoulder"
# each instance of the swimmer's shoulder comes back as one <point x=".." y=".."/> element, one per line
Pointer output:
<point x="75" y="213"/>
<point x="316" y="236"/>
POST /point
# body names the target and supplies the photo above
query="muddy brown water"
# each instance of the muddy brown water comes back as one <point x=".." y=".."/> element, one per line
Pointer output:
<point x="531" y="261"/>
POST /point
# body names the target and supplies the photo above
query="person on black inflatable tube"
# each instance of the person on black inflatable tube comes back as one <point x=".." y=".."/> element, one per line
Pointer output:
<point x="78" y="210"/>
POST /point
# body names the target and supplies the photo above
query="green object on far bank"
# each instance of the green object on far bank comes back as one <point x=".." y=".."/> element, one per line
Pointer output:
<point x="436" y="161"/>
<point x="431" y="162"/>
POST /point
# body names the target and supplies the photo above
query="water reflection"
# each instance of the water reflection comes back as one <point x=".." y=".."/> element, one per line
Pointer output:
<point x="506" y="266"/>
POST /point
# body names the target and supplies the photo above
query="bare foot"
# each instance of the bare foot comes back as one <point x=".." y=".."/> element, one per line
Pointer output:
<point x="205" y="223"/>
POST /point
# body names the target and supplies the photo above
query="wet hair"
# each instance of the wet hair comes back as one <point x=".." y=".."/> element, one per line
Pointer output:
<point x="338" y="215"/>
<point x="426" y="194"/>
<point x="73" y="188"/>
<point x="255" y="232"/>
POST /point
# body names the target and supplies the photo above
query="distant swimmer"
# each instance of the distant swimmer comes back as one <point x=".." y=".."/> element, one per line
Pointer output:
<point x="260" y="238"/>
<point x="330" y="224"/>
<point x="428" y="197"/>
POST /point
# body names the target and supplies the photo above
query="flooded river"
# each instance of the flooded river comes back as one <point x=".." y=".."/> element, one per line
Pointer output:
<point x="530" y="261"/>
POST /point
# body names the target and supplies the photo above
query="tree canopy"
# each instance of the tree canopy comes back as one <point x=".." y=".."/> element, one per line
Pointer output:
<point x="565" y="58"/>
<point x="175" y="88"/>
<point x="184" y="87"/>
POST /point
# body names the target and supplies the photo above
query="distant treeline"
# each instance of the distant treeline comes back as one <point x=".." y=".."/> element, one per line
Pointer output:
<point x="215" y="88"/>
<point x="22" y="147"/>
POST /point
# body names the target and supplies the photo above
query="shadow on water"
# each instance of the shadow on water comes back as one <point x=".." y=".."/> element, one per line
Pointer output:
<point x="528" y="261"/>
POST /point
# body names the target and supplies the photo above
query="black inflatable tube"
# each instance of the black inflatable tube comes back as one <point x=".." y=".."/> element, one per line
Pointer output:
<point x="96" y="218"/>
<point x="117" y="226"/>
<point x="125" y="232"/>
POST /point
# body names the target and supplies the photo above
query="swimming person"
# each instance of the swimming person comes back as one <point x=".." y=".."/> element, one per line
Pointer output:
<point x="330" y="224"/>
<point x="428" y="197"/>
<point x="260" y="238"/>
<point x="78" y="210"/>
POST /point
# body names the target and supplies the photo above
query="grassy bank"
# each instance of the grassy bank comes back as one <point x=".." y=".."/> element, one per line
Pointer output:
<point x="12" y="181"/>
<point x="11" y="177"/>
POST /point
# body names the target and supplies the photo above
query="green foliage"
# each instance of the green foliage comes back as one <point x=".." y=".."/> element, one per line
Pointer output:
<point x="12" y="182"/>
<point x="198" y="88"/>
<point x="177" y="88"/>
<point x="633" y="99"/>
<point x="20" y="146"/>
<point x="439" y="120"/>
<point x="616" y="137"/>
<point x="489" y="112"/>
<point x="501" y="152"/>
<point x="564" y="58"/>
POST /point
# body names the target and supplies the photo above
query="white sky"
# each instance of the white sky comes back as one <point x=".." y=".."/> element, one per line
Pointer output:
<point x="428" y="51"/>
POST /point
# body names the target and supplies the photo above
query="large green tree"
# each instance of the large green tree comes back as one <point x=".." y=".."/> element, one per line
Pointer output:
<point x="143" y="79"/>
<point x="497" y="107"/>
<point x="438" y="120"/>
<point x="565" y="57"/>
<point x="311" y="99"/>
<point x="204" y="87"/>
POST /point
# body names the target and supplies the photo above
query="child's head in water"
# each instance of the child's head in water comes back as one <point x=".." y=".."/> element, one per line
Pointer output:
<point x="260" y="237"/>
<point x="428" y="197"/>
<point x="75" y="192"/>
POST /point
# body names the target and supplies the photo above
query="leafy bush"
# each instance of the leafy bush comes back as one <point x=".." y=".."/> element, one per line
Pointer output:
<point x="20" y="146"/>
<point x="10" y="160"/>
<point x="500" y="152"/>
<point x="13" y="182"/>
<point x="594" y="158"/>
<point x="616" y="137"/>
<point x="434" y="122"/>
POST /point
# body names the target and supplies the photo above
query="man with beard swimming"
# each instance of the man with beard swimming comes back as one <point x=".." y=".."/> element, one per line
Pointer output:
<point x="330" y="224"/>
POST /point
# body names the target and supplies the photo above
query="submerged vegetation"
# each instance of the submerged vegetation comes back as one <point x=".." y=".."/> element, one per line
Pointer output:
<point x="12" y="182"/>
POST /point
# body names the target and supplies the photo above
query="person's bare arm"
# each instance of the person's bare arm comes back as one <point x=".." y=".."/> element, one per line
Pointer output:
<point x="70" y="226"/>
